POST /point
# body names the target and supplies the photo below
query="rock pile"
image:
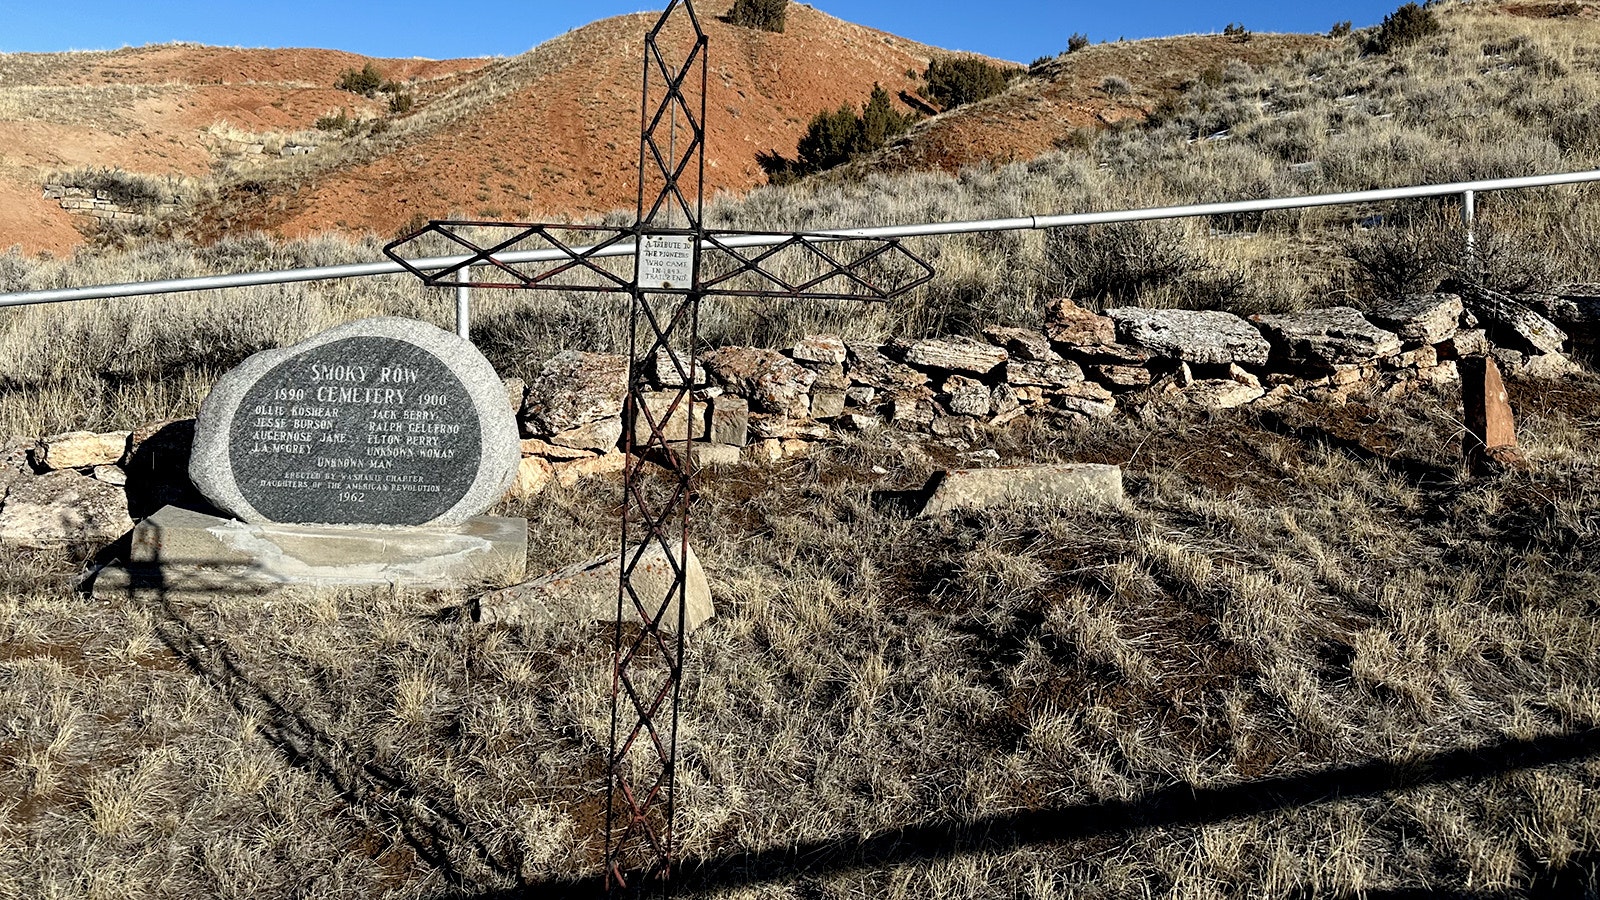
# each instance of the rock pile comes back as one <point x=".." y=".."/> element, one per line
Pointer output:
<point x="762" y="405"/>
<point x="755" y="404"/>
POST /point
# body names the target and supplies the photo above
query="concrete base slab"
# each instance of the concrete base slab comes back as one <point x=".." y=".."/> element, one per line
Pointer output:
<point x="587" y="592"/>
<point x="178" y="549"/>
<point x="1063" y="484"/>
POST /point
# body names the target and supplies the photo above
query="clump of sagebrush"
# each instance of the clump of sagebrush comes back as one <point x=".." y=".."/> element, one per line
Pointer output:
<point x="833" y="138"/>
<point x="766" y="15"/>
<point x="958" y="80"/>
<point x="1405" y="26"/>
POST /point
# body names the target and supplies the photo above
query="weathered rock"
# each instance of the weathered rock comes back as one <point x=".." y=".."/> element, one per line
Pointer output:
<point x="1022" y="344"/>
<point x="965" y="427"/>
<point x="1197" y="336"/>
<point x="968" y="396"/>
<point x="830" y="377"/>
<point x="860" y="396"/>
<point x="769" y="380"/>
<point x="1466" y="342"/>
<point x="1123" y="377"/>
<point x="1065" y="322"/>
<point x="573" y="389"/>
<point x="870" y="367"/>
<point x="773" y="450"/>
<point x="113" y="475"/>
<point x="536" y="447"/>
<point x="673" y="417"/>
<point x="587" y="592"/>
<point x="1243" y="376"/>
<point x="1217" y="393"/>
<point x="827" y="404"/>
<point x="714" y="456"/>
<point x="1510" y="324"/>
<point x="911" y="409"/>
<point x="1486" y="407"/>
<point x="598" y="436"/>
<point x="516" y="393"/>
<point x="1086" y="390"/>
<point x="957" y="354"/>
<point x="80" y="450"/>
<point x="1423" y="357"/>
<point x="1086" y="407"/>
<point x="1323" y="338"/>
<point x="730" y="421"/>
<point x="570" y="473"/>
<point x="1003" y="400"/>
<point x="1420" y="318"/>
<point x="1043" y="374"/>
<point x="1112" y="354"/>
<point x="382" y="421"/>
<point x="826" y="349"/>
<point x="783" y="428"/>
<point x="534" y="474"/>
<point x="665" y="374"/>
<point x="1549" y="366"/>
<point x="1062" y="484"/>
<point x="62" y="508"/>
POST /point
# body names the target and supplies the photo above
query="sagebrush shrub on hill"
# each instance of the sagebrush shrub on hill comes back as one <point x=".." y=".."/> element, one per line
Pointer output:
<point x="767" y="15"/>
<point x="1403" y="27"/>
<point x="964" y="79"/>
<point x="366" y="82"/>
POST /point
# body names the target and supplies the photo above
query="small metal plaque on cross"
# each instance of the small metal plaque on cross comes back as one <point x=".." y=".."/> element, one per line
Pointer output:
<point x="677" y="263"/>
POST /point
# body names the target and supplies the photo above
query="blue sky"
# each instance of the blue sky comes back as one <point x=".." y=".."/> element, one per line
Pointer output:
<point x="1020" y="30"/>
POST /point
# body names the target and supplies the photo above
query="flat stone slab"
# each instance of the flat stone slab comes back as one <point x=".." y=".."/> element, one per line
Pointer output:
<point x="587" y="592"/>
<point x="1203" y="336"/>
<point x="184" y="550"/>
<point x="61" y="508"/>
<point x="1061" y="484"/>
<point x="384" y="421"/>
<point x="1335" y="336"/>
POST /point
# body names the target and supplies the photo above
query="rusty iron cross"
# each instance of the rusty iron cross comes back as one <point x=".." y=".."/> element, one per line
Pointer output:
<point x="677" y="263"/>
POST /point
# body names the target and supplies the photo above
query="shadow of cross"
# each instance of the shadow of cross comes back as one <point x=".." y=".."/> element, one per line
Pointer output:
<point x="676" y="263"/>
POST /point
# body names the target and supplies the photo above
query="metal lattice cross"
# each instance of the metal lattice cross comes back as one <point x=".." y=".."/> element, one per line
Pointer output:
<point x="677" y="263"/>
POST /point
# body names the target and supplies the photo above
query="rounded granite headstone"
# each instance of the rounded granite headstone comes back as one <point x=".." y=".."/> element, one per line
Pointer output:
<point x="379" y="422"/>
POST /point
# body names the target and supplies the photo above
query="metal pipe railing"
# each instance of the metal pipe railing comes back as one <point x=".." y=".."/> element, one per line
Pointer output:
<point x="1466" y="189"/>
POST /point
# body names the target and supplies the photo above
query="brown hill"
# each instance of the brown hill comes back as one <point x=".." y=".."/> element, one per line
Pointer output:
<point x="552" y="132"/>
<point x="234" y="134"/>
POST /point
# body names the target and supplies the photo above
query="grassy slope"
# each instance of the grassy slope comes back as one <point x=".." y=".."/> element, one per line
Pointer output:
<point x="1211" y="686"/>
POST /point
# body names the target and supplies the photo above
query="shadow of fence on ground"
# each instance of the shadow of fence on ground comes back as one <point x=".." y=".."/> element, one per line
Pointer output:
<point x="1178" y="806"/>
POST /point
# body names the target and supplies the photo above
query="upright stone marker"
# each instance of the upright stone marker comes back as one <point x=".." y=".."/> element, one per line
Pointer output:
<point x="379" y="422"/>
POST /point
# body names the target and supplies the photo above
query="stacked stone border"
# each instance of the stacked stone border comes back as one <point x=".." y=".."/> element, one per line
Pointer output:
<point x="760" y="405"/>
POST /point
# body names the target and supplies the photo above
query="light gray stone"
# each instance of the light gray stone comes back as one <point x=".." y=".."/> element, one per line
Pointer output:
<point x="1420" y="318"/>
<point x="174" y="543"/>
<point x="1022" y="344"/>
<point x="1208" y="337"/>
<point x="730" y="421"/>
<point x="871" y="367"/>
<point x="667" y="375"/>
<point x="574" y="388"/>
<point x="676" y="423"/>
<point x="1336" y="336"/>
<point x="587" y="592"/>
<point x="1043" y="374"/>
<point x="860" y="396"/>
<point x="1220" y="393"/>
<point x="827" y="349"/>
<point x="1061" y="484"/>
<point x="1122" y="377"/>
<point x="957" y="354"/>
<point x="293" y="435"/>
<point x="1068" y="323"/>
<point x="1510" y="324"/>
<point x="769" y="380"/>
<point x="968" y="396"/>
<point x="62" y="508"/>
<point x="601" y="436"/>
<point x="826" y="404"/>
<point x="714" y="456"/>
<point x="81" y="450"/>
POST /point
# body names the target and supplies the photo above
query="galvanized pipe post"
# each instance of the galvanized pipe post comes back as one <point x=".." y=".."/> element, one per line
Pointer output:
<point x="464" y="304"/>
<point x="1469" y="216"/>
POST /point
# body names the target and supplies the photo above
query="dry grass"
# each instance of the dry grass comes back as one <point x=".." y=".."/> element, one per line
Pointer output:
<point x="1366" y="668"/>
<point x="1311" y="658"/>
